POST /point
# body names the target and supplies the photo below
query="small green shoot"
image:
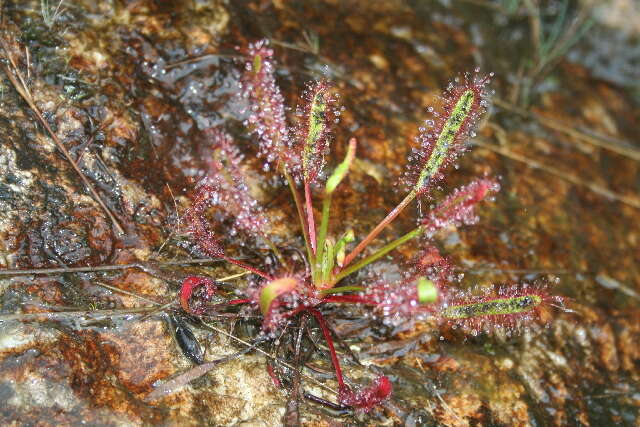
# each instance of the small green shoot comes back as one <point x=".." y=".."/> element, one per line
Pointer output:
<point x="427" y="291"/>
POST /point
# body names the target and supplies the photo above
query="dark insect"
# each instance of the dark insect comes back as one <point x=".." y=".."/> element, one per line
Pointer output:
<point x="185" y="339"/>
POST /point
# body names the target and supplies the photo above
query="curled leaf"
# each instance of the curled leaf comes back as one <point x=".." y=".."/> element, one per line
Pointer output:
<point x="189" y="285"/>
<point x="459" y="207"/>
<point x="273" y="290"/>
<point x="368" y="397"/>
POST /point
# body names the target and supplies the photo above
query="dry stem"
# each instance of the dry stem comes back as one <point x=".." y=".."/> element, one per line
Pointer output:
<point x="15" y="76"/>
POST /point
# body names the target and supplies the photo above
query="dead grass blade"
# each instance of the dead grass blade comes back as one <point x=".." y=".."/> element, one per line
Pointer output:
<point x="591" y="186"/>
<point x="143" y="265"/>
<point x="588" y="137"/>
<point x="60" y="315"/>
<point x="19" y="83"/>
<point x="185" y="378"/>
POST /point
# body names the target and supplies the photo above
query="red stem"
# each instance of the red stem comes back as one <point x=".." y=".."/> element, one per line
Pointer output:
<point x="300" y="209"/>
<point x="310" y="220"/>
<point x="273" y="376"/>
<point x="332" y="350"/>
<point x="296" y="311"/>
<point x="374" y="233"/>
<point x="247" y="267"/>
<point x="354" y="299"/>
<point x="239" y="301"/>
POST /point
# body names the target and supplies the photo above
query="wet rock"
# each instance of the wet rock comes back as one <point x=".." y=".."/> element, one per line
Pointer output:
<point x="130" y="88"/>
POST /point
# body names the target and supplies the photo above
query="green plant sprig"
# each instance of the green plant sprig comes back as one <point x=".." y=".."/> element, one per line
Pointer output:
<point x="324" y="271"/>
<point x="462" y="110"/>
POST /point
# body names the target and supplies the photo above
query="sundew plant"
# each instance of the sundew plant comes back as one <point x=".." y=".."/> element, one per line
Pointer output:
<point x="291" y="297"/>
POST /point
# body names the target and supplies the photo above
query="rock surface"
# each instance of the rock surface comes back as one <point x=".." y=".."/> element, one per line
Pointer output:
<point x="130" y="89"/>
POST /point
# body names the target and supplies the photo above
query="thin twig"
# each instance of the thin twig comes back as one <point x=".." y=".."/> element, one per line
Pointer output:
<point x="115" y="267"/>
<point x="122" y="291"/>
<point x="178" y="219"/>
<point x="518" y="270"/>
<point x="587" y="136"/>
<point x="202" y="58"/>
<point x="277" y="359"/>
<point x="496" y="7"/>
<point x="22" y="88"/>
<point x="595" y="188"/>
<point x="185" y="378"/>
<point x="292" y="415"/>
<point x="26" y="51"/>
<point x="233" y="276"/>
<point x="76" y="314"/>
<point x="446" y="406"/>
